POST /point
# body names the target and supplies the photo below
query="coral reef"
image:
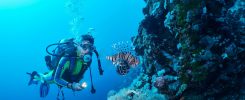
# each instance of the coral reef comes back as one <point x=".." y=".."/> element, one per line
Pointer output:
<point x="127" y="94"/>
<point x="190" y="49"/>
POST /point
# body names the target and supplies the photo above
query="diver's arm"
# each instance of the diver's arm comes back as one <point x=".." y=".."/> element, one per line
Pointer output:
<point x="58" y="73"/>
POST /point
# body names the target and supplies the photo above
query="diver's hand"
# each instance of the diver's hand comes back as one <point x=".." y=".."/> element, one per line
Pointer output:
<point x="77" y="86"/>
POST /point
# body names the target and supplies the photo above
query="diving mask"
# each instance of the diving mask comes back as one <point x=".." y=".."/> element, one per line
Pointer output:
<point x="87" y="46"/>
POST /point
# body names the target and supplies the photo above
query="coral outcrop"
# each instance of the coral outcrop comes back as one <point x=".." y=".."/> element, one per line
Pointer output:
<point x="191" y="49"/>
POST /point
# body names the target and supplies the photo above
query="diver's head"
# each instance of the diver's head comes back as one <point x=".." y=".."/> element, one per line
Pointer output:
<point x="85" y="44"/>
<point x="85" y="38"/>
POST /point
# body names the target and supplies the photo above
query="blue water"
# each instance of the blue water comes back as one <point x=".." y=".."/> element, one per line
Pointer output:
<point x="28" y="26"/>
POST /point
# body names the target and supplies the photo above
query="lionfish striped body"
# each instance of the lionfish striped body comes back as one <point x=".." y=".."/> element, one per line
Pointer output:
<point x="123" y="61"/>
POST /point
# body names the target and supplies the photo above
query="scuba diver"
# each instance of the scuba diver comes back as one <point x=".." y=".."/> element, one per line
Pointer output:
<point x="67" y="64"/>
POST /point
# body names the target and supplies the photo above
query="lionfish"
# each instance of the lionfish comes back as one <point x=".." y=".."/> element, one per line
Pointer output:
<point x="123" y="59"/>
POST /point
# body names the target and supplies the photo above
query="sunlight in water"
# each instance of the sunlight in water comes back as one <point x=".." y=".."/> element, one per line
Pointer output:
<point x="16" y="3"/>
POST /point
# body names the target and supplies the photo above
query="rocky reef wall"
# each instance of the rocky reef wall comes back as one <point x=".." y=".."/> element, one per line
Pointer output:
<point x="191" y="50"/>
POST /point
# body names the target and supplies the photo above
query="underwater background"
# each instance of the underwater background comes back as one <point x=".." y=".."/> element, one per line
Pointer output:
<point x="28" y="26"/>
<point x="187" y="49"/>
